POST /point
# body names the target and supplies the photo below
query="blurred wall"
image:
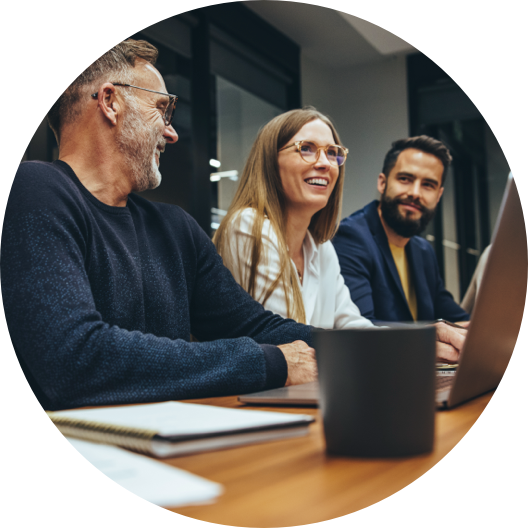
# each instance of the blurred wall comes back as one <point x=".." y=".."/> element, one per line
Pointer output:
<point x="374" y="95"/>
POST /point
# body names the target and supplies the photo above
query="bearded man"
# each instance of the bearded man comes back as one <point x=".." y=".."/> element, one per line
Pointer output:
<point x="392" y="273"/>
<point x="102" y="289"/>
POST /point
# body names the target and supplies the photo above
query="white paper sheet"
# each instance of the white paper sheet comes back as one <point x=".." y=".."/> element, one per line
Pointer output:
<point x="154" y="481"/>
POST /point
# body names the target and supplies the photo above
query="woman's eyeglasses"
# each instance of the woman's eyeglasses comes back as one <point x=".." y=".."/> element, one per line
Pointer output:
<point x="335" y="154"/>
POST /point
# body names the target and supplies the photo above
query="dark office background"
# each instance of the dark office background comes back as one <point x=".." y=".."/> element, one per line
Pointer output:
<point x="233" y="71"/>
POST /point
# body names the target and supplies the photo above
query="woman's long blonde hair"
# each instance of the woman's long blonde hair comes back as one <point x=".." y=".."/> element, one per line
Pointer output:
<point x="261" y="188"/>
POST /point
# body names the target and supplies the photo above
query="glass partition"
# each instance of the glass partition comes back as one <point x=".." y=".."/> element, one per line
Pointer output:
<point x="240" y="115"/>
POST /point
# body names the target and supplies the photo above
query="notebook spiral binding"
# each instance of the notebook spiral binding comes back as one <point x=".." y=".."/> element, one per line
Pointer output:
<point x="139" y="440"/>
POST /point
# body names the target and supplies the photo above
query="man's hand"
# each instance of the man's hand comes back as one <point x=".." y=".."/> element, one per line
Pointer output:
<point x="449" y="342"/>
<point x="300" y="358"/>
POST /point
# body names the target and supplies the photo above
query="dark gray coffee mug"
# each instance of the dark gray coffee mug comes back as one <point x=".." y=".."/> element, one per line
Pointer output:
<point x="377" y="390"/>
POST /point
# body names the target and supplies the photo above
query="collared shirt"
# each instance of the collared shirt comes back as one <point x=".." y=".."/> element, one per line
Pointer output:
<point x="327" y="301"/>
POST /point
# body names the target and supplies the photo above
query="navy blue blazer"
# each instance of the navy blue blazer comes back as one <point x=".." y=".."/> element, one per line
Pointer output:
<point x="370" y="273"/>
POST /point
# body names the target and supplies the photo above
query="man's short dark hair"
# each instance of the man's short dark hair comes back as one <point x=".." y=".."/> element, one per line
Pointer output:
<point x="423" y="143"/>
<point x="115" y="65"/>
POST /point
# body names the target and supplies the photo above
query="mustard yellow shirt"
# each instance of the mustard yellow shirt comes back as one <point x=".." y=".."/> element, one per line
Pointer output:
<point x="402" y="265"/>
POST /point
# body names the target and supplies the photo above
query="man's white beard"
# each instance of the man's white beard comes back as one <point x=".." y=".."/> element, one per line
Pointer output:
<point x="138" y="141"/>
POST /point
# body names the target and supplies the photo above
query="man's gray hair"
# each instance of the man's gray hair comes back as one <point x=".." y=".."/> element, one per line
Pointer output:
<point x="115" y="65"/>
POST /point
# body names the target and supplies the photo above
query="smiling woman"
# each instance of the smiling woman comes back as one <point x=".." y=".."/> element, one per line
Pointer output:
<point x="275" y="238"/>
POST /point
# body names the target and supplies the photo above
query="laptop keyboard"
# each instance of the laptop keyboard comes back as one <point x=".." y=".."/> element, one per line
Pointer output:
<point x="443" y="382"/>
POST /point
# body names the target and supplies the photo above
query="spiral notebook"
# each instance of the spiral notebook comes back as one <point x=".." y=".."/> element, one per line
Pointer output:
<point x="172" y="428"/>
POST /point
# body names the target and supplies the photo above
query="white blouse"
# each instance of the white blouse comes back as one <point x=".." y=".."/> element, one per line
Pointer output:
<point x="326" y="298"/>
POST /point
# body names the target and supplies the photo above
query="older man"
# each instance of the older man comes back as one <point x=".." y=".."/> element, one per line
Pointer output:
<point x="103" y="289"/>
<point x="393" y="274"/>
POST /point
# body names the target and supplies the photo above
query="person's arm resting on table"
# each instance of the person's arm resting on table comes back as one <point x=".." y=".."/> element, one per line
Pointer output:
<point x="73" y="357"/>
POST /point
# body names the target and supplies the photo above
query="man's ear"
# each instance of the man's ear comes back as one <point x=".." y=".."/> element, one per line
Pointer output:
<point x="108" y="103"/>
<point x="382" y="182"/>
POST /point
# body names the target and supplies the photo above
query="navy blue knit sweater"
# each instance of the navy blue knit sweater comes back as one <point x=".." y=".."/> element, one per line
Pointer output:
<point x="101" y="301"/>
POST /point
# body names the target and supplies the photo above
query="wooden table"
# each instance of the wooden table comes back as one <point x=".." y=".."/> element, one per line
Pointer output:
<point x="293" y="482"/>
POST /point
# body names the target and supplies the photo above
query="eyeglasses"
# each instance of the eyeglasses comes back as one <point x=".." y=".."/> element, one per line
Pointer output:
<point x="169" y="111"/>
<point x="309" y="152"/>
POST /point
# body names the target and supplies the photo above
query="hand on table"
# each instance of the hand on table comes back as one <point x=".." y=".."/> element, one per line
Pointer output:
<point x="300" y="358"/>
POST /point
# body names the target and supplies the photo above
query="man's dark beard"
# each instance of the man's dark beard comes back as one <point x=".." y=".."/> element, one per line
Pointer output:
<point x="405" y="227"/>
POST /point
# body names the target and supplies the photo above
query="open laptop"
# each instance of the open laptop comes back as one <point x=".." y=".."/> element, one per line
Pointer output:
<point x="495" y="320"/>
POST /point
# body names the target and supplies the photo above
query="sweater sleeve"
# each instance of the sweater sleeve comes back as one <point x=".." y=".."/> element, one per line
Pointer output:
<point x="228" y="301"/>
<point x="74" y="358"/>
